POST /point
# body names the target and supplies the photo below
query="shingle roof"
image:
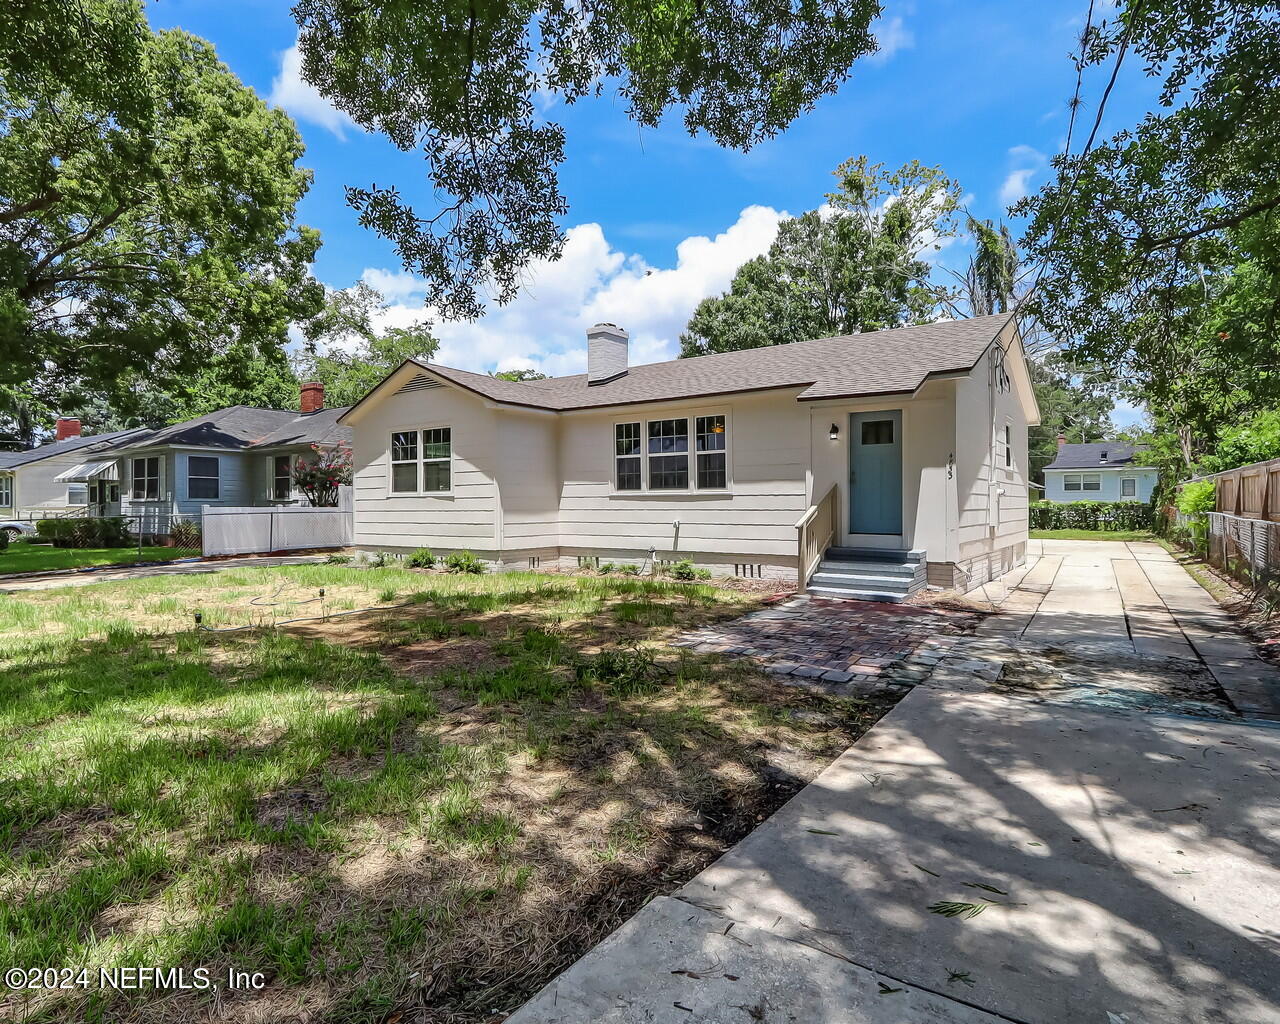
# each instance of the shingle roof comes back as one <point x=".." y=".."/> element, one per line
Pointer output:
<point x="1090" y="456"/>
<point x="319" y="427"/>
<point x="879" y="362"/>
<point x="86" y="442"/>
<point x="237" y="426"/>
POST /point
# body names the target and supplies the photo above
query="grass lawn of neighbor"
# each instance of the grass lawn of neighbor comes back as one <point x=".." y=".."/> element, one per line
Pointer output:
<point x="1092" y="535"/>
<point x="23" y="556"/>
<point x="422" y="811"/>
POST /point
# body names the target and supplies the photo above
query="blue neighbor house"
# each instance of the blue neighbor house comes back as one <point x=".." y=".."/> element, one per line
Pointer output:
<point x="1102" y="471"/>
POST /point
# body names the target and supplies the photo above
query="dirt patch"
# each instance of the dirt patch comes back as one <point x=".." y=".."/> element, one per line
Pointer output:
<point x="1118" y="681"/>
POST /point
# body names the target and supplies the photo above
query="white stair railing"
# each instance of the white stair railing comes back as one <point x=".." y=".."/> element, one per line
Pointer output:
<point x="815" y="530"/>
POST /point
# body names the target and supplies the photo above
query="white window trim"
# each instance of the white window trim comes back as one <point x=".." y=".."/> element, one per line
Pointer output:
<point x="160" y="461"/>
<point x="6" y="491"/>
<point x="420" y="461"/>
<point x="1129" y="480"/>
<point x="645" y="490"/>
<point x="272" y="477"/>
<point x="216" y="478"/>
<point x="1081" y="478"/>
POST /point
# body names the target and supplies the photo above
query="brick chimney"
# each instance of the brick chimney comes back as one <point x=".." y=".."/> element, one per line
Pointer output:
<point x="66" y="427"/>
<point x="1062" y="439"/>
<point x="606" y="353"/>
<point x="312" y="396"/>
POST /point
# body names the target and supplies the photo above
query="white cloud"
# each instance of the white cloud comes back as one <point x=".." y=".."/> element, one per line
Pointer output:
<point x="1027" y="163"/>
<point x="292" y="92"/>
<point x="545" y="326"/>
<point x="892" y="35"/>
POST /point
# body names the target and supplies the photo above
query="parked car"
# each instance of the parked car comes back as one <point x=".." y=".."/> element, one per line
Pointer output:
<point x="16" y="529"/>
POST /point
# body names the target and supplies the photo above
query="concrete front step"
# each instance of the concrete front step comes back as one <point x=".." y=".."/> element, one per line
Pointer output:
<point x="894" y="555"/>
<point x="862" y="581"/>
<point x="850" y="594"/>
<point x="843" y="568"/>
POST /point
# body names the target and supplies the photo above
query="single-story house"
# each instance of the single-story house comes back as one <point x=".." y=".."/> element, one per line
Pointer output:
<point x="238" y="456"/>
<point x="70" y="475"/>
<point x="1101" y="471"/>
<point x="861" y="465"/>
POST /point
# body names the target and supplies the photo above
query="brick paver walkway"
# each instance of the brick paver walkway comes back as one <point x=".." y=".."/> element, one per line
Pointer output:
<point x="840" y="645"/>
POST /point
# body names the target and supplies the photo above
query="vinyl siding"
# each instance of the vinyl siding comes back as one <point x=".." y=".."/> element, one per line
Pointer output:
<point x="768" y="446"/>
<point x="1110" y="484"/>
<point x="991" y="498"/>
<point x="468" y="518"/>
<point x="235" y="482"/>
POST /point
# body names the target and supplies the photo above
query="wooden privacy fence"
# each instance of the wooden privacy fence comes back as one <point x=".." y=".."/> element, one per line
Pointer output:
<point x="242" y="531"/>
<point x="1244" y="532"/>
<point x="1252" y="492"/>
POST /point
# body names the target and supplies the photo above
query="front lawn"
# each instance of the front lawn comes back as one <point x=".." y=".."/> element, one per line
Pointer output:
<point x="1092" y="535"/>
<point x="419" y="812"/>
<point x="23" y="556"/>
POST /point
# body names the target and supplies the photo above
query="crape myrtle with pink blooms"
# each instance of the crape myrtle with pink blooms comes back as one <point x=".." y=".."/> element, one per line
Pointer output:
<point x="320" y="474"/>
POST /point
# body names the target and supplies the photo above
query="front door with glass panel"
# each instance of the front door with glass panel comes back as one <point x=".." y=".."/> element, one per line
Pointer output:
<point x="875" y="472"/>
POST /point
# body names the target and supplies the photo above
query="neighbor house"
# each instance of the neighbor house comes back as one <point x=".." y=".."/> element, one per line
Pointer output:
<point x="860" y="465"/>
<point x="1103" y="471"/>
<point x="71" y="475"/>
<point x="238" y="456"/>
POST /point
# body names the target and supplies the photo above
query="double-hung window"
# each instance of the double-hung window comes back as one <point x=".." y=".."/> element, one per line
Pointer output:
<point x="711" y="437"/>
<point x="6" y="491"/>
<point x="626" y="457"/>
<point x="1082" y="481"/>
<point x="281" y="477"/>
<point x="1128" y="487"/>
<point x="422" y="461"/>
<point x="682" y="453"/>
<point x="146" y="479"/>
<point x="202" y="476"/>
<point x="669" y="455"/>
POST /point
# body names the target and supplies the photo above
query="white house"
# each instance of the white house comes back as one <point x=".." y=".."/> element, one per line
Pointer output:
<point x="64" y="477"/>
<point x="862" y="465"/>
<point x="1104" y="471"/>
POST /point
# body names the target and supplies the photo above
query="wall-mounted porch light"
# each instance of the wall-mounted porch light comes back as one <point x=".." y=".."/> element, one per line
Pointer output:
<point x="835" y="432"/>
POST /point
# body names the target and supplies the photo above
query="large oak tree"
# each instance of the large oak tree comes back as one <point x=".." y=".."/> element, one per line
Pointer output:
<point x="147" y="204"/>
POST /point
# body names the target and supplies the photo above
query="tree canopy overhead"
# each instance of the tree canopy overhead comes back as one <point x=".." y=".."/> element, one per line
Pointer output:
<point x="1159" y="248"/>
<point x="854" y="266"/>
<point x="461" y="81"/>
<point x="147" y="202"/>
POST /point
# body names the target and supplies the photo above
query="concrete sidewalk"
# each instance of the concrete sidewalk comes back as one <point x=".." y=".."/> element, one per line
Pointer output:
<point x="1128" y="868"/>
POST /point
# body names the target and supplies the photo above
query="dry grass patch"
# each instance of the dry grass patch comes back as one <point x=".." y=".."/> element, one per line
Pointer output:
<point x="426" y="810"/>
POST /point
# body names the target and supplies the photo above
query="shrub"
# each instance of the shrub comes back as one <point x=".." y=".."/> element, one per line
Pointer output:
<point x="702" y="574"/>
<point x="319" y="476"/>
<point x="1197" y="498"/>
<point x="682" y="570"/>
<point x="4" y="539"/>
<point x="110" y="532"/>
<point x="185" y="534"/>
<point x="422" y="559"/>
<point x="464" y="561"/>
<point x="1091" y="515"/>
<point x="630" y="570"/>
<point x="337" y="560"/>
<point x="604" y="568"/>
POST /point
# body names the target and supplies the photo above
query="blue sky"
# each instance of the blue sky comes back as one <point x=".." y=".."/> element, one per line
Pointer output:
<point x="657" y="219"/>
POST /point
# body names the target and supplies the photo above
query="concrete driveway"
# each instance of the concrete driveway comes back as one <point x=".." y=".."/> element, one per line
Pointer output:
<point x="1094" y="866"/>
<point x="1103" y="597"/>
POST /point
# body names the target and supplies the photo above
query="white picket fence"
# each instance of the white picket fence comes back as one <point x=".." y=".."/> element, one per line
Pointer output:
<point x="250" y="530"/>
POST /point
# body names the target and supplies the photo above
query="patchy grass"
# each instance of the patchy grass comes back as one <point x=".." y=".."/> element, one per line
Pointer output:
<point x="1092" y="535"/>
<point x="425" y="810"/>
<point x="23" y="556"/>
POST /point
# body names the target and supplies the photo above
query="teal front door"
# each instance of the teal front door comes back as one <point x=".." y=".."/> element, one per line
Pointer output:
<point x="875" y="472"/>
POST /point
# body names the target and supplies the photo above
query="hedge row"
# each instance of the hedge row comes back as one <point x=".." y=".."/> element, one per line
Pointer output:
<point x="111" y="532"/>
<point x="1091" y="515"/>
